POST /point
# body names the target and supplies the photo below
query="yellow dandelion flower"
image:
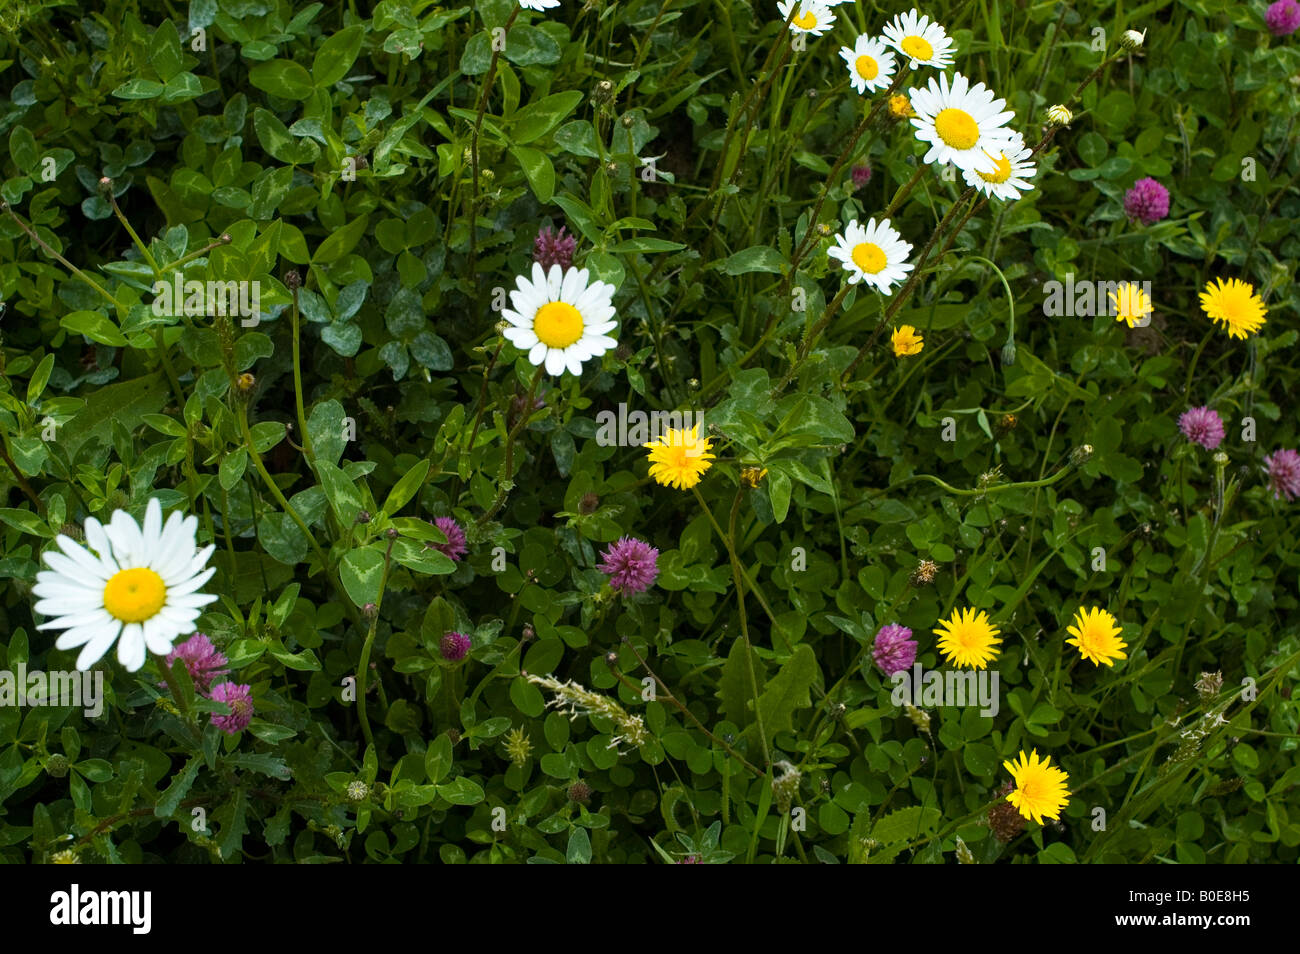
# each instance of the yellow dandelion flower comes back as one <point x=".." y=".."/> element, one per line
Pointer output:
<point x="1096" y="636"/>
<point x="1040" y="790"/>
<point x="1131" y="304"/>
<point x="679" y="458"/>
<point x="968" y="638"/>
<point x="1234" y="304"/>
<point x="906" y="341"/>
<point x="900" y="107"/>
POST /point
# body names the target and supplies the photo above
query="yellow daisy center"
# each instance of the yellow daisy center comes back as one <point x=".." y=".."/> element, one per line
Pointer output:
<point x="957" y="128"/>
<point x="869" y="257"/>
<point x="134" y="596"/>
<point x="900" y="106"/>
<point x="917" y="47"/>
<point x="557" y="324"/>
<point x="1001" y="174"/>
<point x="866" y="67"/>
<point x="806" y="20"/>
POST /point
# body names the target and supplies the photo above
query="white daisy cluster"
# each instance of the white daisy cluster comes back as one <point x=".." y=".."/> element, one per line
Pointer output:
<point x="962" y="124"/>
<point x="139" y="583"/>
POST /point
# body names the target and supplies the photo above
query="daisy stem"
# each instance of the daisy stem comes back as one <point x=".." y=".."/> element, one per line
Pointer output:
<point x="810" y="337"/>
<point x="363" y="665"/>
<point x="903" y="192"/>
<point x="738" y="576"/>
<point x="482" y="403"/>
<point x="31" y="233"/>
<point x="170" y="678"/>
<point x="144" y="249"/>
<point x="845" y="156"/>
<point x="275" y="490"/>
<point x="473" y="151"/>
<point x="907" y="289"/>
<point x="297" y="382"/>
<point x="504" y="483"/>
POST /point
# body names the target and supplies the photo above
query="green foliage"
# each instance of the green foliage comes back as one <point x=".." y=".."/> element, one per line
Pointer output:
<point x="381" y="179"/>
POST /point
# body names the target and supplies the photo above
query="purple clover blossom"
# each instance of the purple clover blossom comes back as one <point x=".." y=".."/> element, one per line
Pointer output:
<point x="203" y="660"/>
<point x="240" y="700"/>
<point x="554" y="248"/>
<point x="1284" y="474"/>
<point x="894" y="649"/>
<point x="1282" y="17"/>
<point x="631" y="564"/>
<point x="1147" y="202"/>
<point x="455" y="646"/>
<point x="861" y="175"/>
<point x="455" y="547"/>
<point x="1203" y="426"/>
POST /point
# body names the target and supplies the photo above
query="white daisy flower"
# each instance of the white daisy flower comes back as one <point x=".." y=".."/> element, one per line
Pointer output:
<point x="963" y="124"/>
<point x="871" y="66"/>
<point x="140" y="584"/>
<point x="539" y="4"/>
<point x="560" y="318"/>
<point x="1015" y="168"/>
<point x="922" y="42"/>
<point x="811" y="17"/>
<point x="876" y="254"/>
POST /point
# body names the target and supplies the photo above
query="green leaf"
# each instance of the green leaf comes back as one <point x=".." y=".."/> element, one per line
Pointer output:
<point x="905" y="824"/>
<point x="538" y="170"/>
<point x="537" y="119"/>
<point x="26" y="521"/>
<point x="645" y="245"/>
<point x="40" y="377"/>
<point x="336" y="56"/>
<point x="407" y="487"/>
<point x="438" y="758"/>
<point x="283" y="78"/>
<point x="23" y="149"/>
<point x="340" y="242"/>
<point x="139" y="89"/>
<point x="756" y="258"/>
<point x="94" y="326"/>
<point x="340" y="491"/>
<point x="787" y="691"/>
<point x="180" y="785"/>
<point x="327" y="427"/>
<point x="735" y="688"/>
<point x="462" y="791"/>
<point x="362" y="574"/>
<point x="578" y="851"/>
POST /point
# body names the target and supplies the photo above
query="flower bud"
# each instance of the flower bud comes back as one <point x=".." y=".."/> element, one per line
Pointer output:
<point x="1132" y="40"/>
<point x="1059" y="116"/>
<point x="57" y="766"/>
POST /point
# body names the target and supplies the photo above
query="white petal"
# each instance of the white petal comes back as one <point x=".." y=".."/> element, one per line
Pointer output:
<point x="76" y="556"/>
<point x="158" y="635"/>
<point x="538" y="354"/>
<point x="130" y="647"/>
<point x="95" y="649"/>
<point x="555" y="362"/>
<point x="153" y="524"/>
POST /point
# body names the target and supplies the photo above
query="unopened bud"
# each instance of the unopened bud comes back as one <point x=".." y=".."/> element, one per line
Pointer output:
<point x="1132" y="39"/>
